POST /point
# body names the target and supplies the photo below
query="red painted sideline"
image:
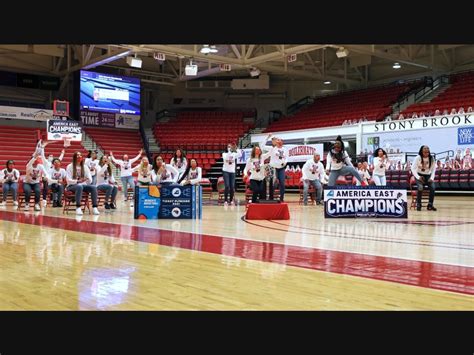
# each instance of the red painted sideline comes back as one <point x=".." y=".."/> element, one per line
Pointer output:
<point x="452" y="278"/>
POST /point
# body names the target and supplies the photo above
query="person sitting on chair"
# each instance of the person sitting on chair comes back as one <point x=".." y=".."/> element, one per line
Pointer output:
<point x="9" y="177"/>
<point x="106" y="182"/>
<point x="423" y="169"/>
<point x="192" y="175"/>
<point x="58" y="177"/>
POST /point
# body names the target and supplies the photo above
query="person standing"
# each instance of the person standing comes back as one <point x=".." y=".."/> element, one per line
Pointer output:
<point x="228" y="171"/>
<point x="255" y="167"/>
<point x="313" y="172"/>
<point x="278" y="161"/>
<point x="126" y="173"/>
<point x="380" y="166"/>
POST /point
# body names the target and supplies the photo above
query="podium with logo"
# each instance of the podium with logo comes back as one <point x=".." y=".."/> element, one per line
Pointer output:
<point x="365" y="201"/>
<point x="147" y="202"/>
<point x="168" y="202"/>
<point x="181" y="202"/>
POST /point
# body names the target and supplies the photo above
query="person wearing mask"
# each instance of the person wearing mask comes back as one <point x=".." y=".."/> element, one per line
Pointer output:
<point x="58" y="178"/>
<point x="338" y="163"/>
<point x="34" y="173"/>
<point x="106" y="182"/>
<point x="313" y="172"/>
<point x="278" y="161"/>
<point x="126" y="173"/>
<point x="9" y="178"/>
<point x="381" y="164"/>
<point x="179" y="162"/>
<point x="423" y="169"/>
<point x="228" y="171"/>
<point x="255" y="167"/>
<point x="79" y="180"/>
<point x="163" y="174"/>
<point x="192" y="175"/>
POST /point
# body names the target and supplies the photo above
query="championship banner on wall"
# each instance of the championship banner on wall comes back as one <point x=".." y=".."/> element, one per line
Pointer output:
<point x="24" y="113"/>
<point x="180" y="202"/>
<point x="59" y="130"/>
<point x="365" y="201"/>
<point x="147" y="202"/>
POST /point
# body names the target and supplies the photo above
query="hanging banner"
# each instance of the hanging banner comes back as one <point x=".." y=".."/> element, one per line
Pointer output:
<point x="365" y="201"/>
<point x="24" y="113"/>
<point x="127" y="121"/>
<point x="98" y="119"/>
<point x="59" y="130"/>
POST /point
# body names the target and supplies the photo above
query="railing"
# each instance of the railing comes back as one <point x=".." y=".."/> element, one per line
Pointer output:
<point x="164" y="113"/>
<point x="145" y="141"/>
<point x="299" y="104"/>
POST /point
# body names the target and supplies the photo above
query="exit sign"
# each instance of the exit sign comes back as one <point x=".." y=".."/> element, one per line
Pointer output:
<point x="225" y="67"/>
<point x="159" y="56"/>
<point x="291" y="58"/>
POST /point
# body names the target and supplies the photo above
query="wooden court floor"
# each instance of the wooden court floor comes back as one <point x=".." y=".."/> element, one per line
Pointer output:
<point x="52" y="261"/>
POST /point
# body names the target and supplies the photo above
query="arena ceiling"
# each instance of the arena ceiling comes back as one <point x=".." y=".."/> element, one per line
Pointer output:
<point x="361" y="65"/>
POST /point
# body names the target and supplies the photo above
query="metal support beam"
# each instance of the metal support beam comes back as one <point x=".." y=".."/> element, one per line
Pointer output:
<point x="236" y="51"/>
<point x="249" y="51"/>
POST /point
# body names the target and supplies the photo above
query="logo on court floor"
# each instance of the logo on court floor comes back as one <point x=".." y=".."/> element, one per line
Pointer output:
<point x="176" y="192"/>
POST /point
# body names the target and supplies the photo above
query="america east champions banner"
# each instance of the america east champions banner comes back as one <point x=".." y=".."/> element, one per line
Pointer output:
<point x="365" y="201"/>
<point x="59" y="130"/>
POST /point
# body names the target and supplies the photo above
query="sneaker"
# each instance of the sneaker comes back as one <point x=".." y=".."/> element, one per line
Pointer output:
<point x="45" y="203"/>
<point x="106" y="206"/>
<point x="305" y="203"/>
<point x="27" y="207"/>
<point x="319" y="203"/>
<point x="79" y="211"/>
<point x="125" y="201"/>
<point x="95" y="211"/>
<point x="232" y="203"/>
<point x="59" y="204"/>
<point x="418" y="208"/>
<point x="37" y="207"/>
<point x="226" y="203"/>
<point x="131" y="204"/>
<point x="55" y="204"/>
<point x="431" y="208"/>
<point x="15" y="203"/>
<point x="3" y="204"/>
<point x="112" y="206"/>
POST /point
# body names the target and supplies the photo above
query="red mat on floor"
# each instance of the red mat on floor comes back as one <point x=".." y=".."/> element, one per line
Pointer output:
<point x="267" y="211"/>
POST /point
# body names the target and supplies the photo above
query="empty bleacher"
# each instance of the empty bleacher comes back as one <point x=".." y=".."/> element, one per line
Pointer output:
<point x="459" y="94"/>
<point x="18" y="144"/>
<point x="373" y="104"/>
<point x="119" y="141"/>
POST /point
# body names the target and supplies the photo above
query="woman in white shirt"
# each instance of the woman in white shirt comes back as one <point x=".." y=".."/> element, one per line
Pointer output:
<point x="92" y="162"/>
<point x="256" y="167"/>
<point x="179" y="161"/>
<point x="106" y="182"/>
<point x="364" y="173"/>
<point x="313" y="173"/>
<point x="228" y="171"/>
<point x="380" y="166"/>
<point x="339" y="163"/>
<point x="58" y="177"/>
<point x="144" y="172"/>
<point x="423" y="169"/>
<point x="34" y="173"/>
<point x="163" y="174"/>
<point x="126" y="173"/>
<point x="192" y="175"/>
<point x="79" y="180"/>
<point x="278" y="161"/>
<point x="9" y="178"/>
<point x="48" y="165"/>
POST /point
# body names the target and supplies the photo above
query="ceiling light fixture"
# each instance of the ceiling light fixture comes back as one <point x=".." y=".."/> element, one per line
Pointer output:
<point x="327" y="82"/>
<point x="396" y="66"/>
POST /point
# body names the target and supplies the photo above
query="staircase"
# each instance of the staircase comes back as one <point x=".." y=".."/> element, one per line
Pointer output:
<point x="245" y="141"/>
<point x="432" y="94"/>
<point x="152" y="144"/>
